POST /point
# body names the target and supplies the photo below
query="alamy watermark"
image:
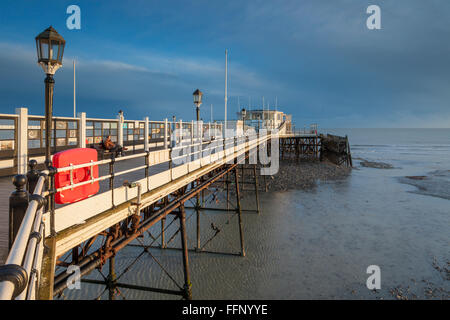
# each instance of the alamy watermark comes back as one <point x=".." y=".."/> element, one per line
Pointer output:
<point x="374" y="280"/>
<point x="374" y="20"/>
<point x="74" y="281"/>
<point x="73" y="22"/>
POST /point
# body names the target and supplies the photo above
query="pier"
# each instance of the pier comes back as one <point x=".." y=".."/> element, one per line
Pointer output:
<point x="169" y="167"/>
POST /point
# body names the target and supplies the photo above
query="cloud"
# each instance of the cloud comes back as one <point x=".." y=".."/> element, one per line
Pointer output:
<point x="317" y="57"/>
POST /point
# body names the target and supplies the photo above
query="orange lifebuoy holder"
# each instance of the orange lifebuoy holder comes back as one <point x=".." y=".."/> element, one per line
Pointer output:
<point x="73" y="157"/>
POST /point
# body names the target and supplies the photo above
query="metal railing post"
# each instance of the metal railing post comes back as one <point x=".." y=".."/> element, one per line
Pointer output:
<point x="32" y="176"/>
<point x="181" y="132"/>
<point x="22" y="140"/>
<point x="146" y="134"/>
<point x="120" y="120"/>
<point x="82" y="130"/>
<point x="192" y="132"/>
<point x="18" y="204"/>
<point x="165" y="133"/>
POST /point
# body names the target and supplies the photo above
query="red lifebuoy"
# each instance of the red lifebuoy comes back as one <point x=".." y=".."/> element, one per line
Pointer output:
<point x="62" y="179"/>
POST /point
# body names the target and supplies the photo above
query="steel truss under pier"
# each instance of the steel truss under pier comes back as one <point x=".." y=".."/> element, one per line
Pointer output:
<point x="228" y="179"/>
<point x="299" y="147"/>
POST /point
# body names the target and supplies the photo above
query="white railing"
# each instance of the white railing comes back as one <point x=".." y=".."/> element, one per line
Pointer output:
<point x="28" y="130"/>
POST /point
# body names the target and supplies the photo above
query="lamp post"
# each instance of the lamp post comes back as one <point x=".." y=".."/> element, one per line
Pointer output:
<point x="198" y="101"/>
<point x="50" y="49"/>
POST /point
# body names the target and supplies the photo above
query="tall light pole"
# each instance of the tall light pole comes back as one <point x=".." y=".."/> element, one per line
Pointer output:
<point x="198" y="102"/>
<point x="50" y="49"/>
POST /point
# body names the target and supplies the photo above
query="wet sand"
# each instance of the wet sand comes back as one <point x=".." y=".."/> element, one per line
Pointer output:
<point x="435" y="183"/>
<point x="305" y="175"/>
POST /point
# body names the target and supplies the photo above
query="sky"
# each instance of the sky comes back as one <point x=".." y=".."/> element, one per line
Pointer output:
<point x="318" y="59"/>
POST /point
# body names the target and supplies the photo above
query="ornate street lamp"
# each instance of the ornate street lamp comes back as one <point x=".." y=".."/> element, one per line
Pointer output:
<point x="50" y="49"/>
<point x="198" y="101"/>
<point x="243" y="113"/>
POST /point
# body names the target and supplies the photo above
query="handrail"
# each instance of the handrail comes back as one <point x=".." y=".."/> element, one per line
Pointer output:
<point x="23" y="249"/>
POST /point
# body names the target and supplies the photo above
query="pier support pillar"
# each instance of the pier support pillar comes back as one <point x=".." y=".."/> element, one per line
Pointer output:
<point x="228" y="191"/>
<point x="239" y="212"/>
<point x="197" y="212"/>
<point x="163" y="226"/>
<point x="187" y="279"/>
<point x="112" y="279"/>
<point x="256" y="188"/>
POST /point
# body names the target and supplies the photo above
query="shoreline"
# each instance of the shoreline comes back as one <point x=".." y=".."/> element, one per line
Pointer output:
<point x="305" y="174"/>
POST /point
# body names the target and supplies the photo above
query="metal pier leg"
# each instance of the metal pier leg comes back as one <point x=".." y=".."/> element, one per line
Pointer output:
<point x="238" y="210"/>
<point x="242" y="178"/>
<point x="256" y="188"/>
<point x="228" y="192"/>
<point x="197" y="211"/>
<point x="112" y="279"/>
<point x="265" y="183"/>
<point x="187" y="279"/>
<point x="163" y="240"/>
<point x="163" y="227"/>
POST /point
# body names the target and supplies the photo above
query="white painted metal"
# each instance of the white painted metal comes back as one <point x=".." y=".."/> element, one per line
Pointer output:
<point x="82" y="129"/>
<point x="165" y="133"/>
<point x="120" y="121"/>
<point x="146" y="134"/>
<point x="22" y="140"/>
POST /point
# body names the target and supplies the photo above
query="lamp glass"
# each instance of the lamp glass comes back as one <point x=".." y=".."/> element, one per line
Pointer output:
<point x="50" y="49"/>
<point x="44" y="49"/>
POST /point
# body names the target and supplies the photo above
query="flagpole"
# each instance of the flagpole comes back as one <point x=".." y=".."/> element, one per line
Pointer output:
<point x="74" y="93"/>
<point x="226" y="78"/>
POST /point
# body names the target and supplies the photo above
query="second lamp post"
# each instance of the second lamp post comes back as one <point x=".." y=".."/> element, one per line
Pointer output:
<point x="198" y="101"/>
